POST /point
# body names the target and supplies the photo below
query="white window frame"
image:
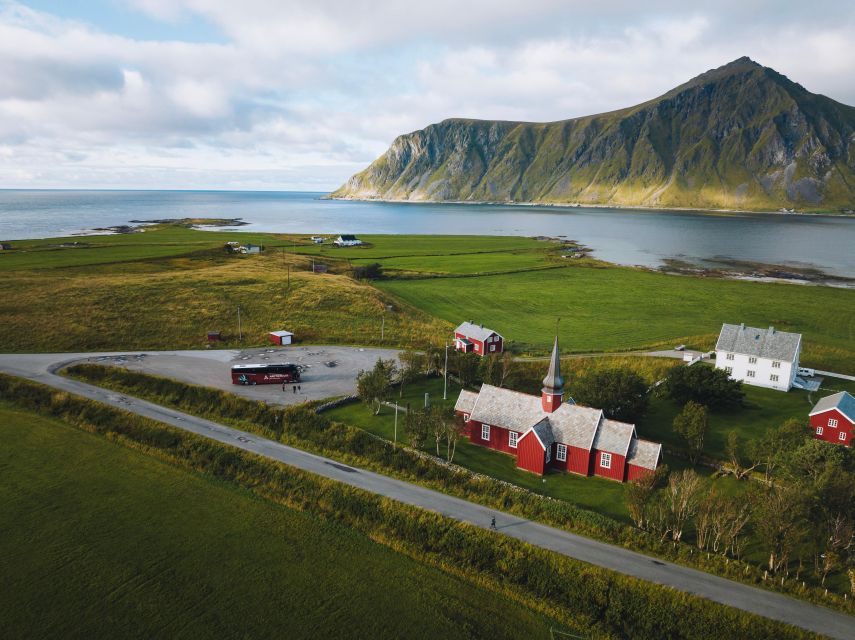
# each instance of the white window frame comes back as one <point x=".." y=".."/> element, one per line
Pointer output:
<point x="776" y="364"/>
<point x="752" y="359"/>
<point x="605" y="460"/>
<point x="561" y="452"/>
<point x="842" y="436"/>
<point x="728" y="356"/>
<point x="485" y="432"/>
<point x="832" y="422"/>
<point x="728" y="370"/>
<point x="773" y="378"/>
<point x="513" y="439"/>
<point x="819" y="431"/>
<point x="749" y="373"/>
<point x="466" y="417"/>
<point x="492" y="347"/>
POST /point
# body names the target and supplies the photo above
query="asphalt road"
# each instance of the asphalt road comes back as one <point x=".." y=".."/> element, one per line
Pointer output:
<point x="771" y="605"/>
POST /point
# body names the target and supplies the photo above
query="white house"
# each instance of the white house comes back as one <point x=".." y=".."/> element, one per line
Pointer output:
<point x="347" y="241"/>
<point x="759" y="357"/>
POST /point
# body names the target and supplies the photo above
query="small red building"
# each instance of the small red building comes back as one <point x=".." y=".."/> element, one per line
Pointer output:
<point x="281" y="337"/>
<point x="833" y="417"/>
<point x="474" y="338"/>
<point x="548" y="433"/>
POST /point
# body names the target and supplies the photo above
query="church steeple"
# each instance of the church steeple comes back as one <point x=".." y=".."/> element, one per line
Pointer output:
<point x="553" y="384"/>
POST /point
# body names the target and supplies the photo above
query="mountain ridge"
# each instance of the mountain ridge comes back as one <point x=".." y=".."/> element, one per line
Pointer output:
<point x="741" y="136"/>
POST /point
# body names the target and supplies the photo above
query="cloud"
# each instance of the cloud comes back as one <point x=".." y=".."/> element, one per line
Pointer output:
<point x="298" y="95"/>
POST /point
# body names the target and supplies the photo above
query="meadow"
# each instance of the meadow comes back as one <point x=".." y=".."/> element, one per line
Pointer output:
<point x="102" y="541"/>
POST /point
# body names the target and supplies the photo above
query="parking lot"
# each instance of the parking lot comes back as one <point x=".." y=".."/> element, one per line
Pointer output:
<point x="326" y="371"/>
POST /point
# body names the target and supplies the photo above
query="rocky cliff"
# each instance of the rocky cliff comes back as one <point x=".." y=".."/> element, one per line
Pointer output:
<point x="738" y="137"/>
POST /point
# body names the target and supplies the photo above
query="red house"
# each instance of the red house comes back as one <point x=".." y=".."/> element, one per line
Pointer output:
<point x="548" y="433"/>
<point x="474" y="338"/>
<point x="833" y="417"/>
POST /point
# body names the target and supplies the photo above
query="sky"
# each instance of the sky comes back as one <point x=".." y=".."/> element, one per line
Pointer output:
<point x="299" y="95"/>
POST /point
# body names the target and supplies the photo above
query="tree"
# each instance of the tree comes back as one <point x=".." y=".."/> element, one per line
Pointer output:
<point x="739" y="466"/>
<point x="622" y="395"/>
<point x="691" y="425"/>
<point x="413" y="364"/>
<point x="641" y="493"/>
<point x="373" y="386"/>
<point x="779" y="522"/>
<point x="455" y="429"/>
<point x="495" y="369"/>
<point x="809" y="461"/>
<point x="682" y="496"/>
<point x="719" y="523"/>
<point x="705" y="385"/>
<point x="372" y="271"/>
<point x="466" y="366"/>
<point x="416" y="427"/>
<point x="776" y="444"/>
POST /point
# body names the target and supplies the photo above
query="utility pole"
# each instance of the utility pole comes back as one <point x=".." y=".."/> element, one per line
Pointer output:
<point x="396" y="423"/>
<point x="240" y="331"/>
<point x="445" y="375"/>
<point x="383" y="327"/>
<point x="289" y="277"/>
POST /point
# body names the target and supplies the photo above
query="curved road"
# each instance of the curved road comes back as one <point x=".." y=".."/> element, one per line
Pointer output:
<point x="42" y="368"/>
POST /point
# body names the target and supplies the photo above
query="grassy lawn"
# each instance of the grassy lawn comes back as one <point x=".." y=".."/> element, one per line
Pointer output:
<point x="615" y="308"/>
<point x="392" y="246"/>
<point x="99" y="541"/>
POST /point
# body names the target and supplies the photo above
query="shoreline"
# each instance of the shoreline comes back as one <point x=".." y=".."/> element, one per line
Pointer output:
<point x="580" y="205"/>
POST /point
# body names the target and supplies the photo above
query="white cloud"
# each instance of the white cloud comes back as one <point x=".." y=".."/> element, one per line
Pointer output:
<point x="302" y="94"/>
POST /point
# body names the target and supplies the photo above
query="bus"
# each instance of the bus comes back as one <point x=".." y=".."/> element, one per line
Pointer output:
<point x="265" y="373"/>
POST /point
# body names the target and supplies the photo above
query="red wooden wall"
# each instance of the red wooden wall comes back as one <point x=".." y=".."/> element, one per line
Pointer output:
<point x="832" y="434"/>
<point x="530" y="454"/>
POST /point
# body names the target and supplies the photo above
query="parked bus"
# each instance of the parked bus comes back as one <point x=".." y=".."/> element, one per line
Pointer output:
<point x="265" y="373"/>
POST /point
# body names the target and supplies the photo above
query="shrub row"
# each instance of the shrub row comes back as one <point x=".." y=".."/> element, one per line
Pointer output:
<point x="301" y="427"/>
<point x="601" y="602"/>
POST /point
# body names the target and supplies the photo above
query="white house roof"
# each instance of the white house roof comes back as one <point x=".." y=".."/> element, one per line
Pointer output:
<point x="643" y="453"/>
<point x="477" y="331"/>
<point x="465" y="401"/>
<point x="281" y="334"/>
<point x="762" y="343"/>
<point x="614" y="436"/>
<point x="842" y="401"/>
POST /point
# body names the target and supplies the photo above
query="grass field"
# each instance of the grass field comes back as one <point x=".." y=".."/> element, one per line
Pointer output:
<point x="617" y="308"/>
<point x="99" y="541"/>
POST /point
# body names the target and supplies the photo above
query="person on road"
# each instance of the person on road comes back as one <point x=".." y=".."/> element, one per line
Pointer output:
<point x="493" y="523"/>
<point x="295" y="388"/>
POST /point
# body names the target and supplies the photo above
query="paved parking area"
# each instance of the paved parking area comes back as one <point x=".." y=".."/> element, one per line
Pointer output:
<point x="327" y="371"/>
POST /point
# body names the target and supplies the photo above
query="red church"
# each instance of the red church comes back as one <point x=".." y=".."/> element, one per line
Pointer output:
<point x="833" y="417"/>
<point x="550" y="433"/>
<point x="474" y="338"/>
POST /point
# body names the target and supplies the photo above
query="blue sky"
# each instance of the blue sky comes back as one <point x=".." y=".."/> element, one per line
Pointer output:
<point x="288" y="94"/>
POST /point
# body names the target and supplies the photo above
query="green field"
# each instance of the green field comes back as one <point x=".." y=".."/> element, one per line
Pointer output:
<point x="618" y="308"/>
<point x="99" y="541"/>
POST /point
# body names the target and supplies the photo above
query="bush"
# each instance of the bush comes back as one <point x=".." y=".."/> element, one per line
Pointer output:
<point x="622" y="395"/>
<point x="704" y="385"/>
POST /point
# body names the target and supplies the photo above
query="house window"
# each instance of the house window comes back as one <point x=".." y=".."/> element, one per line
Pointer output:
<point x="832" y="422"/>
<point x="842" y="435"/>
<point x="752" y="360"/>
<point x="492" y="347"/>
<point x="485" y="431"/>
<point x="729" y="356"/>
<point x="728" y="369"/>
<point x="819" y="431"/>
<point x="773" y="378"/>
<point x="513" y="436"/>
<point x="749" y="374"/>
<point x="561" y="453"/>
<point x="776" y="364"/>
<point x="606" y="460"/>
<point x="466" y="417"/>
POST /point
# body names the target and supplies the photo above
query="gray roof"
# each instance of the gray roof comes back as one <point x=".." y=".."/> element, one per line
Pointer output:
<point x="543" y="430"/>
<point x="477" y="331"/>
<point x="643" y="453"/>
<point x="507" y="409"/>
<point x="614" y="436"/>
<point x="842" y="401"/>
<point x="465" y="401"/>
<point x="575" y="425"/>
<point x="553" y="380"/>
<point x="763" y="343"/>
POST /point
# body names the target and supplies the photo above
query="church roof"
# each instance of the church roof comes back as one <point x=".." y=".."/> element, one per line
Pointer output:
<point x="553" y="380"/>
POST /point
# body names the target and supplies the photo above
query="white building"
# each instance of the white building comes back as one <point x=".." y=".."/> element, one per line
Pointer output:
<point x="759" y="357"/>
<point x="347" y="241"/>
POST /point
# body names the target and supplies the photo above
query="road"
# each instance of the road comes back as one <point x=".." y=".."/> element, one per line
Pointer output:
<point x="42" y="368"/>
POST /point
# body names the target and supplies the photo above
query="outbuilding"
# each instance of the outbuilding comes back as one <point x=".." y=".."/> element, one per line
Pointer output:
<point x="474" y="338"/>
<point x="281" y="337"/>
<point x="5" y="246"/>
<point x="346" y="240"/>
<point x="833" y="417"/>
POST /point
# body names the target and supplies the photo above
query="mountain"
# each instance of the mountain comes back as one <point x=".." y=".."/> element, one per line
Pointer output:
<point x="738" y="137"/>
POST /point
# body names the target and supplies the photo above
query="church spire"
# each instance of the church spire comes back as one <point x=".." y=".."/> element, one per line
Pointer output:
<point x="553" y="383"/>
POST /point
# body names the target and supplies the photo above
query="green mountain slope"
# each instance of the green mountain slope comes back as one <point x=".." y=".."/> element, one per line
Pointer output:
<point x="741" y="136"/>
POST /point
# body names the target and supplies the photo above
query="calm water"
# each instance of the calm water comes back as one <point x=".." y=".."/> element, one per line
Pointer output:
<point x="634" y="237"/>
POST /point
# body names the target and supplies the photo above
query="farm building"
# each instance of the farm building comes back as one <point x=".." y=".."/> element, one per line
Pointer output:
<point x="833" y="417"/>
<point x="281" y="337"/>
<point x="5" y="246"/>
<point x="759" y="357"/>
<point x="251" y="248"/>
<point x="347" y="241"/>
<point x="474" y="338"/>
<point x="548" y="433"/>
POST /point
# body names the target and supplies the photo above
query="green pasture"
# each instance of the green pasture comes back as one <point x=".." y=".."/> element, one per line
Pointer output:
<point x="99" y="541"/>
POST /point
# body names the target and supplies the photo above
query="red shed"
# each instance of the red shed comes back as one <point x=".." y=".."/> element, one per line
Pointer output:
<point x="833" y="417"/>
<point x="474" y="338"/>
<point x="281" y="337"/>
<point x="548" y="432"/>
